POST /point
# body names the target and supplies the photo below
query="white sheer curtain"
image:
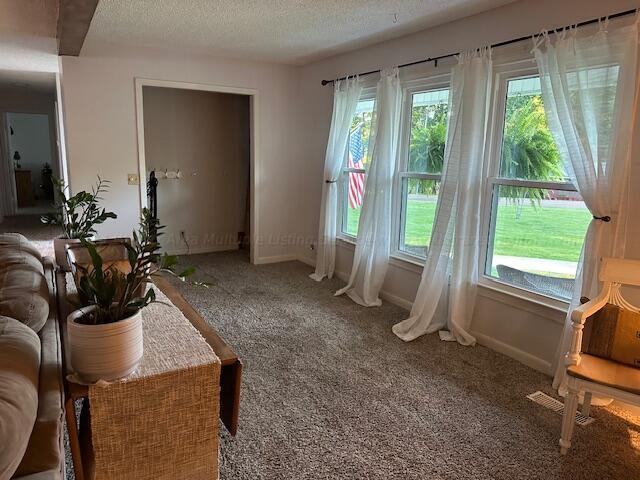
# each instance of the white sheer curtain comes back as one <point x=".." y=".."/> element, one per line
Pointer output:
<point x="589" y="90"/>
<point x="452" y="258"/>
<point x="345" y="100"/>
<point x="371" y="255"/>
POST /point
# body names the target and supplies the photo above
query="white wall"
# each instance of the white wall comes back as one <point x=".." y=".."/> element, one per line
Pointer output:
<point x="206" y="136"/>
<point x="100" y="121"/>
<point x="517" y="327"/>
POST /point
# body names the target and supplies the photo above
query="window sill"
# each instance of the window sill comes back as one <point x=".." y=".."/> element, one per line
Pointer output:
<point x="413" y="265"/>
<point x="346" y="239"/>
<point x="531" y="302"/>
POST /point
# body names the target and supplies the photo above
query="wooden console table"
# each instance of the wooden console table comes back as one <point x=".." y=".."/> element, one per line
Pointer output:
<point x="230" y="376"/>
<point x="231" y="373"/>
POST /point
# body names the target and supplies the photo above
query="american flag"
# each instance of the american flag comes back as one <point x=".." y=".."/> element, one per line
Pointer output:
<point x="356" y="155"/>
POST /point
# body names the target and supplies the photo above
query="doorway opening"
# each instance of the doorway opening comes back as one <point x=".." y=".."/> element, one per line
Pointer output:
<point x="30" y="156"/>
<point x="196" y="141"/>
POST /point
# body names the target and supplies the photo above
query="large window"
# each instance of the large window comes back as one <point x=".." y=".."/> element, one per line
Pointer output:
<point x="537" y="218"/>
<point x="421" y="167"/>
<point x="357" y="159"/>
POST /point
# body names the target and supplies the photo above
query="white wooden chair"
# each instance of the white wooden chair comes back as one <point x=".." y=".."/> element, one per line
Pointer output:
<point x="591" y="374"/>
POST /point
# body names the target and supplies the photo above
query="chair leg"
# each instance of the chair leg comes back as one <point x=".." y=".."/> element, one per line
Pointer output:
<point x="586" y="404"/>
<point x="568" y="419"/>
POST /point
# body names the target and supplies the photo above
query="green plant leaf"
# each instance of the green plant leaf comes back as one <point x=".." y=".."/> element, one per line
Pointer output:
<point x="107" y="287"/>
<point x="187" y="272"/>
<point x="168" y="262"/>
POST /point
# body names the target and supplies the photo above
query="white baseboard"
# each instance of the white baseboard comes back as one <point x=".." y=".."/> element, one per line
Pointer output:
<point x="287" y="257"/>
<point x="389" y="297"/>
<point x="182" y="250"/>
<point x="523" y="357"/>
<point x="306" y="260"/>
<point x="342" y="275"/>
<point x="396" y="300"/>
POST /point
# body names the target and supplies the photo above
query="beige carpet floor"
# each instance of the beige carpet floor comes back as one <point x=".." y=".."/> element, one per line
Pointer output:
<point x="330" y="393"/>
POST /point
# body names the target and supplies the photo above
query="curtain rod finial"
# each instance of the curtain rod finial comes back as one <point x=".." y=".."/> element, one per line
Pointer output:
<point x="325" y="82"/>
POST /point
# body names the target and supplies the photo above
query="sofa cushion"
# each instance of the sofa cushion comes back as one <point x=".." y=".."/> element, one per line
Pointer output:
<point x="16" y="241"/>
<point x="44" y="452"/>
<point x="19" y="373"/>
<point x="24" y="296"/>
<point x="14" y="258"/>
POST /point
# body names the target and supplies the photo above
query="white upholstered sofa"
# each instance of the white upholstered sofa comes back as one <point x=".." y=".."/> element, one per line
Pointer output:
<point x="31" y="387"/>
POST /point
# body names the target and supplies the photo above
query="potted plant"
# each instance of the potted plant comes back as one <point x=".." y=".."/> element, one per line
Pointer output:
<point x="113" y="252"/>
<point x="77" y="216"/>
<point x="105" y="335"/>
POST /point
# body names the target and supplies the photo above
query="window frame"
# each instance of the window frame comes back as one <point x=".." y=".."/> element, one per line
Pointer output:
<point x="368" y="93"/>
<point x="502" y="75"/>
<point x="515" y="65"/>
<point x="398" y="206"/>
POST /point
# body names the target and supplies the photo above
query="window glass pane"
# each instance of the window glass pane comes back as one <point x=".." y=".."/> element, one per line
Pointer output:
<point x="357" y="156"/>
<point x="536" y="238"/>
<point x="360" y="134"/>
<point x="528" y="149"/>
<point x="353" y="195"/>
<point x="419" y="209"/>
<point x="429" y="111"/>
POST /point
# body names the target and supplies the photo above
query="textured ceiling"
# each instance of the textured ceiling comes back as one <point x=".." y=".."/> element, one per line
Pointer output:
<point x="283" y="31"/>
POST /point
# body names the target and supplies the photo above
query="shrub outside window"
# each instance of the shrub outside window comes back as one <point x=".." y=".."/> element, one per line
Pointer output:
<point x="421" y="168"/>
<point x="537" y="218"/>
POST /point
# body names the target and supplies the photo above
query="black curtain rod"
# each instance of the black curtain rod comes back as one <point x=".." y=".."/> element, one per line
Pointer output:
<point x="500" y="44"/>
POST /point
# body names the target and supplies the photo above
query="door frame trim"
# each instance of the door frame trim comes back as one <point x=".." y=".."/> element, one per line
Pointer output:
<point x="254" y="138"/>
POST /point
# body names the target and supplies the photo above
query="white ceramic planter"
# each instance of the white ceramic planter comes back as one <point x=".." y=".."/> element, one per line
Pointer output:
<point x="104" y="352"/>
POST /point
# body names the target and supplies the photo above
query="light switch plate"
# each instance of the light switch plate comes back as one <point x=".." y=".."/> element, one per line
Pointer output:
<point x="132" y="179"/>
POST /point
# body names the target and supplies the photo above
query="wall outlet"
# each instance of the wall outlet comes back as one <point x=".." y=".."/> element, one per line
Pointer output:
<point x="132" y="179"/>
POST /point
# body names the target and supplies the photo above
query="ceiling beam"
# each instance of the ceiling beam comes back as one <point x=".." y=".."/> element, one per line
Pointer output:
<point x="74" y="19"/>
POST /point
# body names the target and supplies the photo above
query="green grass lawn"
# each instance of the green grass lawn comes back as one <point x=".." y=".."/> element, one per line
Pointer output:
<point x="554" y="233"/>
